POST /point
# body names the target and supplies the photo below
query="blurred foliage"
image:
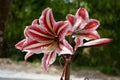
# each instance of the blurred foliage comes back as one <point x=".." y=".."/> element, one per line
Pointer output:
<point x="105" y="58"/>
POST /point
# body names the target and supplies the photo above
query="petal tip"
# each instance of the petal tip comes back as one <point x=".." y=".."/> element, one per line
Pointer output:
<point x="35" y="22"/>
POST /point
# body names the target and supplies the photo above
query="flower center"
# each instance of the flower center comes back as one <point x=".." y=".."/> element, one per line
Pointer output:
<point x="56" y="39"/>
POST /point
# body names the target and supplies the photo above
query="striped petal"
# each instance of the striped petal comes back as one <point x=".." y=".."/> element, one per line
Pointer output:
<point x="89" y="35"/>
<point x="65" y="48"/>
<point x="35" y="46"/>
<point x="79" y="42"/>
<point x="35" y="22"/>
<point x="92" y="25"/>
<point x="98" y="42"/>
<point x="47" y="20"/>
<point x="71" y="19"/>
<point x="37" y="32"/>
<point x="61" y="29"/>
<point x="25" y="32"/>
<point x="78" y="24"/>
<point x="28" y="55"/>
<point x="82" y="12"/>
<point x="20" y="44"/>
<point x="48" y="59"/>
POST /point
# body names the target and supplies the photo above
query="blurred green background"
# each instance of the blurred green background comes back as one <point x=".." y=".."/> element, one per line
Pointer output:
<point x="105" y="58"/>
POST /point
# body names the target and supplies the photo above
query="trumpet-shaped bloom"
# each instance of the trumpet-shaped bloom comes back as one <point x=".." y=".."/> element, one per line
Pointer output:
<point x="47" y="37"/>
<point x="82" y="27"/>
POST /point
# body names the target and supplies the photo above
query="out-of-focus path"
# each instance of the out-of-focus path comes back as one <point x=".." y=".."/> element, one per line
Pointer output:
<point x="15" y="75"/>
<point x="12" y="70"/>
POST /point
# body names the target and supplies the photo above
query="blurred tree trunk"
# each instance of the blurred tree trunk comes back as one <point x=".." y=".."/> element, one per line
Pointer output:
<point x="4" y="9"/>
<point x="78" y="4"/>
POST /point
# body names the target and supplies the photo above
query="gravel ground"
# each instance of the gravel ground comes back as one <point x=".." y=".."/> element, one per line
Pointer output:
<point x="11" y="70"/>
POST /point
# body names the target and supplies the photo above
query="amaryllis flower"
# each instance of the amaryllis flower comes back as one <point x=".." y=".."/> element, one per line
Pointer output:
<point x="47" y="37"/>
<point x="82" y="27"/>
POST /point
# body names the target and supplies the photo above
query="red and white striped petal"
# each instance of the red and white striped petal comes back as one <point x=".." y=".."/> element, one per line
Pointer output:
<point x="38" y="33"/>
<point x="61" y="28"/>
<point x="25" y="32"/>
<point x="20" y="44"/>
<point x="47" y="20"/>
<point x="71" y="19"/>
<point x="97" y="42"/>
<point x="79" y="42"/>
<point x="78" y="24"/>
<point x="35" y="22"/>
<point x="65" y="48"/>
<point x="48" y="59"/>
<point x="92" y="25"/>
<point x="35" y="46"/>
<point x="89" y="35"/>
<point x="28" y="55"/>
<point x="82" y="12"/>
